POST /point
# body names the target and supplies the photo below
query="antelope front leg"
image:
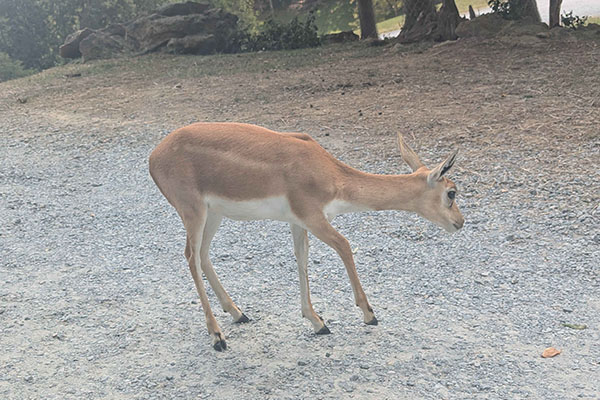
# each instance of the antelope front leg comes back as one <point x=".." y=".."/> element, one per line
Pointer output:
<point x="301" y="250"/>
<point x="212" y="224"/>
<point x="323" y="230"/>
<point x="194" y="225"/>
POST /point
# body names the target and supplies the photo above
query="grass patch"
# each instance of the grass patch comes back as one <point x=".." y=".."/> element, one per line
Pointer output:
<point x="330" y="16"/>
<point x="593" y="20"/>
<point x="392" y="24"/>
<point x="463" y="5"/>
<point x="336" y="16"/>
<point x="396" y="23"/>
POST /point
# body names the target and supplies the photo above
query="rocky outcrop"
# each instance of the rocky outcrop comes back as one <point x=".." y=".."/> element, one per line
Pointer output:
<point x="70" y="49"/>
<point x="186" y="8"/>
<point x="522" y="32"/>
<point x="190" y="27"/>
<point x="102" y="44"/>
<point x="340" y="37"/>
<point x="491" y="25"/>
<point x="193" y="44"/>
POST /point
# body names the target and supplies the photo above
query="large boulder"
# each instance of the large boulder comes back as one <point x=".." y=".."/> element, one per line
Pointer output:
<point x="189" y="7"/>
<point x="153" y="32"/>
<point x="100" y="45"/>
<point x="590" y="31"/>
<point x="193" y="44"/>
<point x="484" y="26"/>
<point x="524" y="27"/>
<point x="524" y="32"/>
<point x="340" y="37"/>
<point x="70" y="49"/>
<point x="189" y="27"/>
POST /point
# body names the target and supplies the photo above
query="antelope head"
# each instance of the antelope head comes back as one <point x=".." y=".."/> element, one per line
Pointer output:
<point x="436" y="199"/>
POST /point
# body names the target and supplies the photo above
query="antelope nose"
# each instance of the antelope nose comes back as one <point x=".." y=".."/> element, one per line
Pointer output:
<point x="459" y="224"/>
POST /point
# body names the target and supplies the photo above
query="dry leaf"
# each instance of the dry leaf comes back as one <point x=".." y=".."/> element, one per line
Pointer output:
<point x="550" y="352"/>
<point x="578" y="327"/>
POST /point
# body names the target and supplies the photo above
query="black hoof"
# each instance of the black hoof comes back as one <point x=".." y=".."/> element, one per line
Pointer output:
<point x="323" y="331"/>
<point x="243" y="319"/>
<point x="372" y="322"/>
<point x="220" y="345"/>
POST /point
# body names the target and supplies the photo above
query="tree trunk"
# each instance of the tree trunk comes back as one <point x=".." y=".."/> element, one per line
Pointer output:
<point x="271" y="7"/>
<point x="448" y="18"/>
<point x="472" y="12"/>
<point x="366" y="15"/>
<point x="423" y="22"/>
<point x="413" y="9"/>
<point x="555" y="12"/>
<point x="528" y="9"/>
<point x="393" y="7"/>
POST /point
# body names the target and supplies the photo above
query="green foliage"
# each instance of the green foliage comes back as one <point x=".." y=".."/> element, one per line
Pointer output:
<point x="385" y="9"/>
<point x="243" y="9"/>
<point x="338" y="15"/>
<point x="508" y="9"/>
<point x="330" y="15"/>
<point x="25" y="34"/>
<point x="32" y="30"/>
<point x="573" y="21"/>
<point x="11" y="69"/>
<point x="284" y="36"/>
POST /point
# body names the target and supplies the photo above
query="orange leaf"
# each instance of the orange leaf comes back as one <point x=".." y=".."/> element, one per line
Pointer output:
<point x="550" y="352"/>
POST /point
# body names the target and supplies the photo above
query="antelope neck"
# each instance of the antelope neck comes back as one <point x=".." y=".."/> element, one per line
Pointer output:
<point x="381" y="192"/>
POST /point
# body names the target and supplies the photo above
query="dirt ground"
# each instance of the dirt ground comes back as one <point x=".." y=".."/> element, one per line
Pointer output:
<point x="525" y="118"/>
<point x="540" y="88"/>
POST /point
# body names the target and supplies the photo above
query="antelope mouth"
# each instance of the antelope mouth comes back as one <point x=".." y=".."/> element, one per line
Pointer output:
<point x="458" y="225"/>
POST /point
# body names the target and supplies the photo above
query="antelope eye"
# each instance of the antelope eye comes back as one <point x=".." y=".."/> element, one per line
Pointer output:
<point x="451" y="194"/>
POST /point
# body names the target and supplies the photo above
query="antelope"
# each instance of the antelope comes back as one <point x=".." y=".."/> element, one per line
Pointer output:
<point x="208" y="171"/>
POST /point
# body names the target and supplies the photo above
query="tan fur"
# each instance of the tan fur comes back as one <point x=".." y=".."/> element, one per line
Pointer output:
<point x="253" y="167"/>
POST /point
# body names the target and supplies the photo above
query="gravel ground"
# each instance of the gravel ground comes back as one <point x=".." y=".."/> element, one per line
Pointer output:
<point x="96" y="300"/>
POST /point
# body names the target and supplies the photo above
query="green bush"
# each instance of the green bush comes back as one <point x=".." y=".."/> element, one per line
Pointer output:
<point x="12" y="69"/>
<point x="283" y="36"/>
<point x="572" y="21"/>
<point x="508" y="9"/>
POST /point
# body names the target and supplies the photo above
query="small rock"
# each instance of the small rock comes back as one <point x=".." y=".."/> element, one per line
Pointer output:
<point x="550" y="352"/>
<point x="346" y="387"/>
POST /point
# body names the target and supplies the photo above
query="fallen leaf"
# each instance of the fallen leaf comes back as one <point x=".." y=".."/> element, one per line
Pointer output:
<point x="550" y="352"/>
<point x="579" y="327"/>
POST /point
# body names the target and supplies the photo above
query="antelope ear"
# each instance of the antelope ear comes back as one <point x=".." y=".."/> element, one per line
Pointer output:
<point x="437" y="173"/>
<point x="408" y="155"/>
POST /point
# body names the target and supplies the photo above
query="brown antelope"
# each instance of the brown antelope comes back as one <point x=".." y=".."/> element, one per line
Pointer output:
<point x="245" y="172"/>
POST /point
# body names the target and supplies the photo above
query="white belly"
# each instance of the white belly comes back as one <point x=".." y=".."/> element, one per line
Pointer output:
<point x="277" y="208"/>
<point x="337" y="207"/>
